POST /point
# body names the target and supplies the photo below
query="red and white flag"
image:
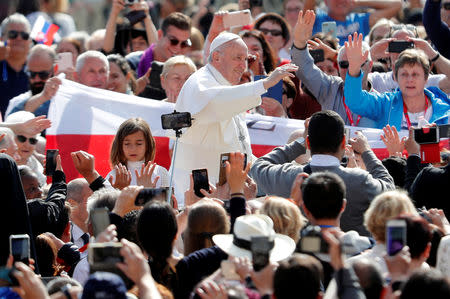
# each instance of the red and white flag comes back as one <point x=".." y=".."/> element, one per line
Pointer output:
<point x="85" y="118"/>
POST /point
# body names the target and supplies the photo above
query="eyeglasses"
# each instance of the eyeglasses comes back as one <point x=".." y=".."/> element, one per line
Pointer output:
<point x="42" y="74"/>
<point x="175" y="41"/>
<point x="273" y="32"/>
<point x="23" y="139"/>
<point x="13" y="34"/>
<point x="293" y="9"/>
<point x="343" y="64"/>
<point x="446" y="6"/>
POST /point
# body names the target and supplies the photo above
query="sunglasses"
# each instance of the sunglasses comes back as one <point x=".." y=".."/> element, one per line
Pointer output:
<point x="273" y="32"/>
<point x="175" y="41"/>
<point x="13" y="34"/>
<point x="23" y="139"/>
<point x="42" y="74"/>
<point x="343" y="64"/>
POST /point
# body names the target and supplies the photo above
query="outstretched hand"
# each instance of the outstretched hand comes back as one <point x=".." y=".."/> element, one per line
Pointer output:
<point x="279" y="73"/>
<point x="356" y="55"/>
<point x="303" y="28"/>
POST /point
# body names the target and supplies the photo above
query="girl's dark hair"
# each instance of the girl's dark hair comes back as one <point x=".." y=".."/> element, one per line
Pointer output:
<point x="156" y="231"/>
<point x="128" y="127"/>
<point x="277" y="19"/>
<point x="123" y="65"/>
<point x="46" y="253"/>
<point x="269" y="56"/>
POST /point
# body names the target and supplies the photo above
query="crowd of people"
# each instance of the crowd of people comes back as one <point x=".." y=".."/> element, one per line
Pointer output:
<point x="319" y="217"/>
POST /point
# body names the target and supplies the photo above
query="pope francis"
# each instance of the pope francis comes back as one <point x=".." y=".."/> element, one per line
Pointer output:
<point x="218" y="105"/>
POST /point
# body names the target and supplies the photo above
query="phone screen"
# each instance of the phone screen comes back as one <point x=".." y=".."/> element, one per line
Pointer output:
<point x="260" y="247"/>
<point x="395" y="238"/>
<point x="20" y="248"/>
<point x="64" y="61"/>
<point x="100" y="220"/>
<point x="422" y="138"/>
<point x="329" y="28"/>
<point x="50" y="161"/>
<point x="201" y="181"/>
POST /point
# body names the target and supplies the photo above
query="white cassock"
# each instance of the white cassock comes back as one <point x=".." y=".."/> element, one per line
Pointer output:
<point x="219" y="126"/>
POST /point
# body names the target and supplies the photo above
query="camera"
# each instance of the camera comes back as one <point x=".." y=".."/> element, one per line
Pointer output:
<point x="398" y="46"/>
<point x="104" y="256"/>
<point x="312" y="240"/>
<point x="50" y="161"/>
<point x="176" y="120"/>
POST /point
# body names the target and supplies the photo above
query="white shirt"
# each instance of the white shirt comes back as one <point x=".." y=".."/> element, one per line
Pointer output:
<point x="77" y="232"/>
<point x="133" y="166"/>
<point x="384" y="82"/>
<point x="219" y="126"/>
<point x="324" y="160"/>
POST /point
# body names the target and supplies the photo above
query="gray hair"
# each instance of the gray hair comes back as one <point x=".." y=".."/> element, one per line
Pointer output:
<point x="365" y="47"/>
<point x="177" y="60"/>
<point x="103" y="198"/>
<point x="42" y="49"/>
<point x="75" y="189"/>
<point x="9" y="137"/>
<point x="16" y="18"/>
<point x="81" y="60"/>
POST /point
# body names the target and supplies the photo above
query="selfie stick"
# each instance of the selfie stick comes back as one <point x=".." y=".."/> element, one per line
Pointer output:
<point x="172" y="164"/>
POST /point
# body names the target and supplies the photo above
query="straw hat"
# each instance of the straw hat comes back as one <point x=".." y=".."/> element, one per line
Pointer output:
<point x="248" y="226"/>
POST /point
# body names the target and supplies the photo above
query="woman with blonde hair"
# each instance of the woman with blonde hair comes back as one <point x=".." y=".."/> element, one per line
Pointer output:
<point x="385" y="206"/>
<point x="286" y="216"/>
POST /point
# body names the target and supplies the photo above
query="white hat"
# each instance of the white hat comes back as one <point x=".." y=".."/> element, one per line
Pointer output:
<point x="248" y="226"/>
<point x="221" y="39"/>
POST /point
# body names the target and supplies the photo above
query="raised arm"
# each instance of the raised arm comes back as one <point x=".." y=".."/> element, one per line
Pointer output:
<point x="382" y="9"/>
<point x="110" y="35"/>
<point x="437" y="31"/>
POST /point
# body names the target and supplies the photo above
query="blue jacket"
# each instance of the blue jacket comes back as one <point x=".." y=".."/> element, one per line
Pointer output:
<point x="387" y="108"/>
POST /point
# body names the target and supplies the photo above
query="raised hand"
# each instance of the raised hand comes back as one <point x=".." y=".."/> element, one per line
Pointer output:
<point x="329" y="53"/>
<point x="33" y="126"/>
<point x="122" y="177"/>
<point x="303" y="28"/>
<point x="144" y="177"/>
<point x="356" y="56"/>
<point x="236" y="174"/>
<point x="392" y="141"/>
<point x="85" y="165"/>
<point x="279" y="73"/>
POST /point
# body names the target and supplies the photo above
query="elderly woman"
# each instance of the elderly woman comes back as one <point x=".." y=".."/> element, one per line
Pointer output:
<point x="175" y="72"/>
<point x="26" y="145"/>
<point x="402" y="108"/>
<point x="384" y="207"/>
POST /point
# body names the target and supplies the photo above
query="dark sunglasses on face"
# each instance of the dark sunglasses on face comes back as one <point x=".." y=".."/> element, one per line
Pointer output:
<point x="175" y="41"/>
<point x="13" y="34"/>
<point x="23" y="139"/>
<point x="273" y="32"/>
<point x="42" y="74"/>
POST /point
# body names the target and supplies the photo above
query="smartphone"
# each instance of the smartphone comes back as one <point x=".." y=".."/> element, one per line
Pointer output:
<point x="444" y="130"/>
<point x="425" y="138"/>
<point x="222" y="173"/>
<point x="395" y="236"/>
<point x="155" y="74"/>
<point x="318" y="55"/>
<point x="50" y="161"/>
<point x="176" y="120"/>
<point x="237" y="18"/>
<point x="201" y="181"/>
<point x="148" y="194"/>
<point x="19" y="247"/>
<point x="7" y="279"/>
<point x="398" y="46"/>
<point x="104" y="256"/>
<point x="64" y="61"/>
<point x="135" y="16"/>
<point x="329" y="28"/>
<point x="260" y="248"/>
<point x="100" y="220"/>
<point x="347" y="135"/>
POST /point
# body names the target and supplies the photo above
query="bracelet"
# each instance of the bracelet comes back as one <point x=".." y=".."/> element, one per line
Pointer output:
<point x="301" y="49"/>
<point x="436" y="57"/>
<point x="237" y="194"/>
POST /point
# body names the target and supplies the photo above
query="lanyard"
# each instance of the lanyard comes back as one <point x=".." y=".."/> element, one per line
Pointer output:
<point x="405" y="111"/>
<point x="5" y="72"/>
<point x="349" y="115"/>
